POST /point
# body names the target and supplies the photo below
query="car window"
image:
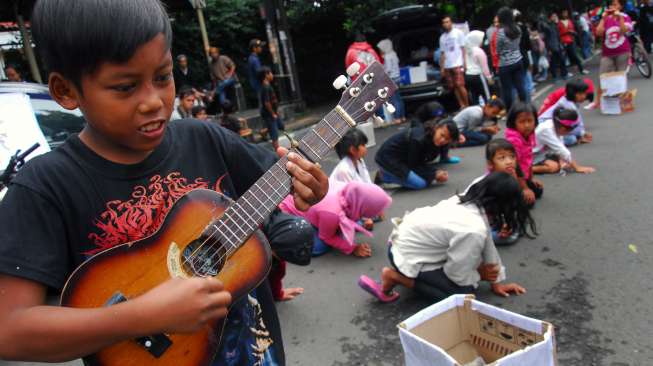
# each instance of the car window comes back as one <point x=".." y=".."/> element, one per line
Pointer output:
<point x="57" y="123"/>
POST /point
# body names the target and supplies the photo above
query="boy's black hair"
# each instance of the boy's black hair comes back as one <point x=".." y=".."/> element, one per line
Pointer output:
<point x="496" y="103"/>
<point x="353" y="138"/>
<point x="12" y="66"/>
<point x="500" y="195"/>
<point x="517" y="108"/>
<point x="227" y="107"/>
<point x="74" y="37"/>
<point x="431" y="126"/>
<point x="197" y="110"/>
<point x="429" y="111"/>
<point x="573" y="87"/>
<point x="498" y="144"/>
<point x="185" y="91"/>
<point x="262" y="72"/>
<point x="562" y="113"/>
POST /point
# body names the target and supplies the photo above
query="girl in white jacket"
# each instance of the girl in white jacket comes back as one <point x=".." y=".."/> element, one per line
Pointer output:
<point x="448" y="249"/>
<point x="477" y="74"/>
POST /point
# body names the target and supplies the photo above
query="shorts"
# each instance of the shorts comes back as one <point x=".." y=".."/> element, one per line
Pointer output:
<point x="454" y="77"/>
<point x="274" y="125"/>
<point x="614" y="63"/>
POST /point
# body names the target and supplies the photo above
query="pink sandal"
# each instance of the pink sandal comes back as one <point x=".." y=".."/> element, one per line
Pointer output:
<point x="374" y="289"/>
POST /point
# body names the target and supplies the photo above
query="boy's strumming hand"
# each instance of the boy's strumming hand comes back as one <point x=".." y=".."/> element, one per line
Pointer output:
<point x="183" y="305"/>
<point x="489" y="271"/>
<point x="504" y="290"/>
<point x="310" y="184"/>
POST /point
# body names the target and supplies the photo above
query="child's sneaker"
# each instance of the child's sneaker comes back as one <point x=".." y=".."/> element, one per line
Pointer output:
<point x="450" y="160"/>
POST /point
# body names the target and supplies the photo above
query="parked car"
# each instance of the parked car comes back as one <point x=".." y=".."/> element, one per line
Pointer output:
<point x="415" y="33"/>
<point x="56" y="122"/>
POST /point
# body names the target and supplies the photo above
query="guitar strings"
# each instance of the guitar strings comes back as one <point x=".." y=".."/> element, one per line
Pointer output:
<point x="193" y="256"/>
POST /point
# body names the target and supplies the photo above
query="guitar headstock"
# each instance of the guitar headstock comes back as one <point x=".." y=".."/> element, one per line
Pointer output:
<point x="371" y="89"/>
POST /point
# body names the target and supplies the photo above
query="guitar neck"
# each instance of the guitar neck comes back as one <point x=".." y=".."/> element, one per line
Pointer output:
<point x="245" y="215"/>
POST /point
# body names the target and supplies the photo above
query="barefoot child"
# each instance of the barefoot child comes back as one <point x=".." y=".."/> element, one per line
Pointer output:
<point x="550" y="153"/>
<point x="114" y="183"/>
<point x="575" y="94"/>
<point x="471" y="120"/>
<point x="520" y="132"/>
<point x="406" y="158"/>
<point x="336" y="216"/>
<point x="447" y="249"/>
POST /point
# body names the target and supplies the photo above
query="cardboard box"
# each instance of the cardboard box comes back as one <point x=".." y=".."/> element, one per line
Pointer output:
<point x="459" y="329"/>
<point x="619" y="104"/>
<point x="412" y="74"/>
<point x="613" y="83"/>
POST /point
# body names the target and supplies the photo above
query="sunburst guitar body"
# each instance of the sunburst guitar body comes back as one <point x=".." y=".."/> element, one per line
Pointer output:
<point x="129" y="270"/>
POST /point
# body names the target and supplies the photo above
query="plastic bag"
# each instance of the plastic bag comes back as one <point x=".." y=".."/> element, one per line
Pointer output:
<point x="543" y="63"/>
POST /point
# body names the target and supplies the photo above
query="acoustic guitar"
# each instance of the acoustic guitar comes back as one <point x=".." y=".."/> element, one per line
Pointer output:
<point x="207" y="234"/>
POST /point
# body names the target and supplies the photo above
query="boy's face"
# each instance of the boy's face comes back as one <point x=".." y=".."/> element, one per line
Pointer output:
<point x="442" y="137"/>
<point x="188" y="102"/>
<point x="269" y="77"/>
<point x="504" y="161"/>
<point x="201" y="115"/>
<point x="447" y="24"/>
<point x="580" y="97"/>
<point x="12" y="74"/>
<point x="491" y="112"/>
<point x="127" y="105"/>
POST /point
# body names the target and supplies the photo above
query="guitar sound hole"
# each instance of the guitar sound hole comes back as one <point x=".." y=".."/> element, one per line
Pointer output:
<point x="203" y="258"/>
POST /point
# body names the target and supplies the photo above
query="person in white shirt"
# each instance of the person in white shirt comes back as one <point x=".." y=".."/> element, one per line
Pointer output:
<point x="447" y="249"/>
<point x="453" y="60"/>
<point x="352" y="150"/>
<point x="391" y="66"/>
<point x="550" y="155"/>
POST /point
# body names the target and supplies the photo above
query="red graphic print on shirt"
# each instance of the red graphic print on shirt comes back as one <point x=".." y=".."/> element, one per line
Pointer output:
<point x="143" y="213"/>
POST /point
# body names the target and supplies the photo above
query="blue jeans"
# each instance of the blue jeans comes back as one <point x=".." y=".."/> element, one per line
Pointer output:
<point x="319" y="246"/>
<point x="585" y="40"/>
<point x="475" y="138"/>
<point x="220" y="89"/>
<point x="413" y="181"/>
<point x="398" y="103"/>
<point x="274" y="125"/>
<point x="513" y="77"/>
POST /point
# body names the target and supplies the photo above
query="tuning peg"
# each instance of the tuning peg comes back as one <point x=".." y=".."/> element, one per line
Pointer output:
<point x="367" y="78"/>
<point x="391" y="109"/>
<point x="353" y="69"/>
<point x="378" y="121"/>
<point x="340" y="82"/>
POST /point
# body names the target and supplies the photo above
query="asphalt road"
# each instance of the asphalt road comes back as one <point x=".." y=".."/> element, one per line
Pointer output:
<point x="580" y="273"/>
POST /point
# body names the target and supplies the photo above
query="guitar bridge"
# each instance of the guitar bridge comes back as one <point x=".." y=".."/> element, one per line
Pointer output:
<point x="156" y="344"/>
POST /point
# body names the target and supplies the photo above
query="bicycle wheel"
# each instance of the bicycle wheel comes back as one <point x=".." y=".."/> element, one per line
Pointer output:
<point x="642" y="62"/>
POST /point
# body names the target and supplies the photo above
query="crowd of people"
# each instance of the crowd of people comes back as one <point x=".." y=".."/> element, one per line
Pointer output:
<point x="114" y="184"/>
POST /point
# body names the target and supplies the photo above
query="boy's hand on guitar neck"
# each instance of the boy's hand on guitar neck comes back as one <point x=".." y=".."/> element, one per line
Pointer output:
<point x="310" y="184"/>
<point x="183" y="305"/>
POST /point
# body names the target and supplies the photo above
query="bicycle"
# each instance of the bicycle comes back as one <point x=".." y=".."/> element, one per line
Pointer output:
<point x="639" y="55"/>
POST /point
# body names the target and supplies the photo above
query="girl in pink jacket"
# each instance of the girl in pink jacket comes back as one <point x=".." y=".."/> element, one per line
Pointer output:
<point x="520" y="131"/>
<point x="336" y="216"/>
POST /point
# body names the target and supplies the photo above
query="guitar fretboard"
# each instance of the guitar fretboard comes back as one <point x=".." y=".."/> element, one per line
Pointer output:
<point x="245" y="215"/>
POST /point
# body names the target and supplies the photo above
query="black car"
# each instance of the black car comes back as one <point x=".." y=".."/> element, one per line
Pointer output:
<point x="415" y="33"/>
<point x="56" y="122"/>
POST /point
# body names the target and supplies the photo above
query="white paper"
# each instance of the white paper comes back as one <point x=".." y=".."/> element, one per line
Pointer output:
<point x="614" y="83"/>
<point x="18" y="128"/>
<point x="418" y="352"/>
<point x="611" y="105"/>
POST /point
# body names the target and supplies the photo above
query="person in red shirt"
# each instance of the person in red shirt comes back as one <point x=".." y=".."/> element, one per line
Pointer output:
<point x="555" y="96"/>
<point x="567" y="38"/>
<point x="362" y="52"/>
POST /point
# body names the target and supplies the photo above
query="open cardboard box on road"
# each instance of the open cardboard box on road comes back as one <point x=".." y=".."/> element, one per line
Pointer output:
<point x="459" y="329"/>
<point x="616" y="98"/>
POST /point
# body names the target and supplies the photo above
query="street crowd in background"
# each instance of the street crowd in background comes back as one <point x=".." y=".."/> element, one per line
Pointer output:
<point x="438" y="250"/>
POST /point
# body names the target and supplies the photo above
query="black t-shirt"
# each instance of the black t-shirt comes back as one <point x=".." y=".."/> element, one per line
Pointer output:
<point x="407" y="150"/>
<point x="71" y="203"/>
<point x="267" y="95"/>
